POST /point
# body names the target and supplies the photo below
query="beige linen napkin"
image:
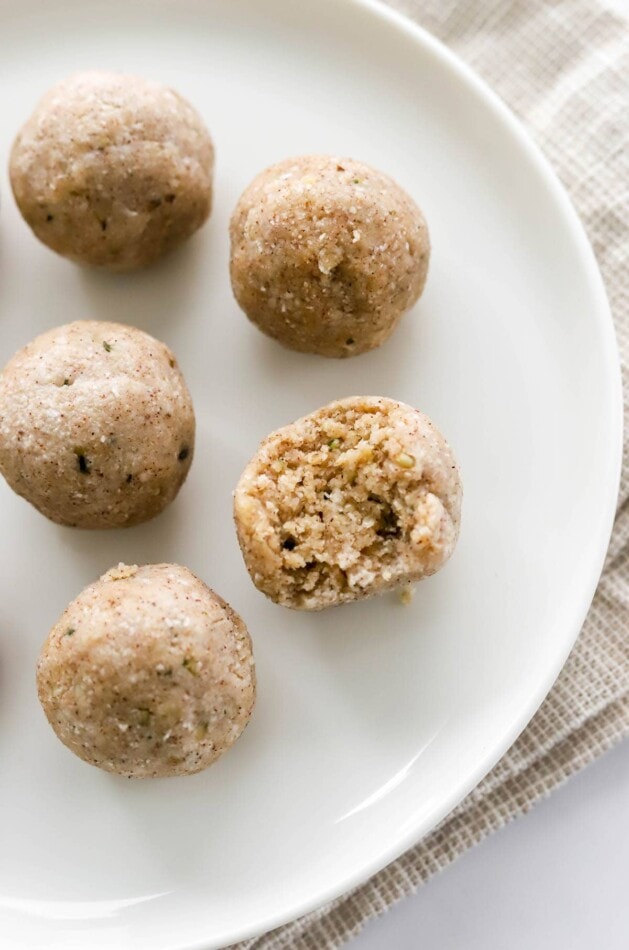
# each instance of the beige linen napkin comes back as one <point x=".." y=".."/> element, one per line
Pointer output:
<point x="563" y="67"/>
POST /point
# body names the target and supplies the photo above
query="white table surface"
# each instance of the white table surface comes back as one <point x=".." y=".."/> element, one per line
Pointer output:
<point x="556" y="878"/>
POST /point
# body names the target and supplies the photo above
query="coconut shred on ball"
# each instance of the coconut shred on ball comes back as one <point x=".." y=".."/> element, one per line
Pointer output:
<point x="113" y="171"/>
<point x="327" y="254"/>
<point x="148" y="673"/>
<point x="96" y="425"/>
<point x="356" y="498"/>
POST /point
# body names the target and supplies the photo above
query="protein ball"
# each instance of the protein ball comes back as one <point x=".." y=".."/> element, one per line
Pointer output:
<point x="112" y="170"/>
<point x="327" y="254"/>
<point x="356" y="498"/>
<point x="148" y="673"/>
<point x="96" y="425"/>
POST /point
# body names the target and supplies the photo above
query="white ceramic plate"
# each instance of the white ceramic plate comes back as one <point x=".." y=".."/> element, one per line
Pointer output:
<point x="373" y="720"/>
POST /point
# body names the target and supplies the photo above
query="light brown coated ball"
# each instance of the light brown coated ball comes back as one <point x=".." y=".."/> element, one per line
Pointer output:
<point x="96" y="425"/>
<point x="359" y="497"/>
<point x="112" y="170"/>
<point x="148" y="673"/>
<point x="327" y="254"/>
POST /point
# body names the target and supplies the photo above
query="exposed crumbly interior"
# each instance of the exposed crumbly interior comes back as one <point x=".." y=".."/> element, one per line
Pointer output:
<point x="96" y="425"/>
<point x="327" y="253"/>
<point x="148" y="673"/>
<point x="356" y="498"/>
<point x="112" y="170"/>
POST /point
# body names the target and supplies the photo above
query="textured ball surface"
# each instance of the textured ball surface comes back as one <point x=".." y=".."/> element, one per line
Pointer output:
<point x="327" y="254"/>
<point x="148" y="673"/>
<point x="96" y="425"/>
<point x="111" y="170"/>
<point x="356" y="498"/>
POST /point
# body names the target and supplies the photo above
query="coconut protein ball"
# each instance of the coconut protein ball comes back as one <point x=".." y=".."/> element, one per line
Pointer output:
<point x="356" y="498"/>
<point x="112" y="170"/>
<point x="327" y="254"/>
<point x="148" y="673"/>
<point x="96" y="425"/>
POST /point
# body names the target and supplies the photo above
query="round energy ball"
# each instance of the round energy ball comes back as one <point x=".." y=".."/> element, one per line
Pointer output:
<point x="356" y="498"/>
<point x="148" y="673"/>
<point x="327" y="254"/>
<point x="112" y="170"/>
<point x="96" y="425"/>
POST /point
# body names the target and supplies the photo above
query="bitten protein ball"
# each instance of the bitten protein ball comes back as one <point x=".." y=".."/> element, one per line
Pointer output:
<point x="112" y="170"/>
<point x="327" y="254"/>
<point x="356" y="498"/>
<point x="96" y="425"/>
<point x="148" y="673"/>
